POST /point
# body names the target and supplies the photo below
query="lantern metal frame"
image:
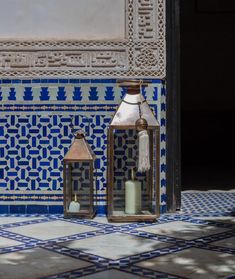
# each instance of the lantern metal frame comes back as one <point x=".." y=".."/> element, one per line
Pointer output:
<point x="133" y="88"/>
<point x="79" y="152"/>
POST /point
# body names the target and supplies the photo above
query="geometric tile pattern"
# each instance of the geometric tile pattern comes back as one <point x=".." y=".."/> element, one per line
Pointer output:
<point x="140" y="251"/>
<point x="33" y="147"/>
<point x="208" y="203"/>
<point x="36" y="120"/>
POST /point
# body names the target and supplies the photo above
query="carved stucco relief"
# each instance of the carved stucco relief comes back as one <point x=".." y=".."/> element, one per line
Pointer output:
<point x="140" y="54"/>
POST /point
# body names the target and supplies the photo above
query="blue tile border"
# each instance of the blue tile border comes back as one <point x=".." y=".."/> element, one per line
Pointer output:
<point x="30" y="209"/>
<point x="55" y="209"/>
<point x="66" y="80"/>
<point x="40" y="209"/>
<point x="17" y="209"/>
<point x="101" y="210"/>
<point x="50" y="209"/>
<point x="163" y="209"/>
<point x="4" y="209"/>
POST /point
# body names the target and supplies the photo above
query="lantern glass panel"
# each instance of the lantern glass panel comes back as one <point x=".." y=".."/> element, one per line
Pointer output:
<point x="125" y="158"/>
<point x="81" y="183"/>
<point x="79" y="187"/>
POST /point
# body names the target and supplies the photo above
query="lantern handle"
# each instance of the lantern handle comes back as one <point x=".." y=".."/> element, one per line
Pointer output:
<point x="79" y="134"/>
<point x="71" y="125"/>
<point x="74" y="132"/>
<point x="140" y="112"/>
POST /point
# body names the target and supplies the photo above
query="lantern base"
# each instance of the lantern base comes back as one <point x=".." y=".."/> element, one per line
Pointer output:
<point x="121" y="216"/>
<point x="81" y="214"/>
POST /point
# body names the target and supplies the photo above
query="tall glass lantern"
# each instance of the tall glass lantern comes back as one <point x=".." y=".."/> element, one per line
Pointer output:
<point x="133" y="159"/>
<point x="78" y="179"/>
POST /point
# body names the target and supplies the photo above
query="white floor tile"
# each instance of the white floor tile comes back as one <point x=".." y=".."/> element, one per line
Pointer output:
<point x="228" y="242"/>
<point x="50" y="230"/>
<point x="184" y="230"/>
<point x="5" y="242"/>
<point x="115" y="246"/>
<point x="36" y="263"/>
<point x="10" y="220"/>
<point x="194" y="263"/>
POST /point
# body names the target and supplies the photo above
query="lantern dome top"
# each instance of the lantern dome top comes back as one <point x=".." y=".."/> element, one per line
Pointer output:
<point x="80" y="150"/>
<point x="129" y="109"/>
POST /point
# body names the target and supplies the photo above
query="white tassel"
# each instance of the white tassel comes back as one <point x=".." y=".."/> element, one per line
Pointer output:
<point x="143" y="161"/>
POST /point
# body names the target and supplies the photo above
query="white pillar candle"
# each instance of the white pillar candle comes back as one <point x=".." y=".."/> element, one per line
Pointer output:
<point x="132" y="197"/>
<point x="74" y="206"/>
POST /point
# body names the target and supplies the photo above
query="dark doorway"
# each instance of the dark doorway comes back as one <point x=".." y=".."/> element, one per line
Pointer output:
<point x="207" y="94"/>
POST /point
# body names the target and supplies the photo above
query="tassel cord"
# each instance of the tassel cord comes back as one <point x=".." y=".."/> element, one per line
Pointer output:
<point x="143" y="160"/>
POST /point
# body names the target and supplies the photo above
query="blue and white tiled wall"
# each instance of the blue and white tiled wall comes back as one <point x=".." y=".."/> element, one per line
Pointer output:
<point x="35" y="134"/>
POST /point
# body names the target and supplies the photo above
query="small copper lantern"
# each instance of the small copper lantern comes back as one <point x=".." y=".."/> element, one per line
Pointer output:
<point x="133" y="191"/>
<point x="78" y="179"/>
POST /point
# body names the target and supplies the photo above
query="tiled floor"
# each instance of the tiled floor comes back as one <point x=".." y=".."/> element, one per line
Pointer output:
<point x="197" y="243"/>
<point x="176" y="246"/>
<point x="213" y="202"/>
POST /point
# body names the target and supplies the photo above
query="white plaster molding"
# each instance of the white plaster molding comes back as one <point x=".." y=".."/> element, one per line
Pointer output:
<point x="62" y="19"/>
<point x="140" y="54"/>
